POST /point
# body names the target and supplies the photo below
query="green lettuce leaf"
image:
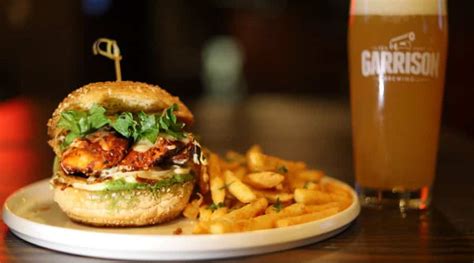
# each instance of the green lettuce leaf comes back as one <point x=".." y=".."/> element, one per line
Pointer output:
<point x="125" y="124"/>
<point x="97" y="118"/>
<point x="133" y="126"/>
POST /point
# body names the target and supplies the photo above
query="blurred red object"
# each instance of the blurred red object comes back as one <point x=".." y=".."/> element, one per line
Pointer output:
<point x="19" y="163"/>
<point x="16" y="122"/>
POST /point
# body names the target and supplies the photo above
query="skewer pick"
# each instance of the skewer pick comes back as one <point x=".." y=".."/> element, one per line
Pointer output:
<point x="109" y="49"/>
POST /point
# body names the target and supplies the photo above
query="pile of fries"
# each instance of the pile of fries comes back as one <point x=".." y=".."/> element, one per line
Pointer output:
<point x="257" y="191"/>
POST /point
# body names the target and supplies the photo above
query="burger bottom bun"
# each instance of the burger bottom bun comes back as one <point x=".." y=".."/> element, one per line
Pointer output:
<point x="123" y="208"/>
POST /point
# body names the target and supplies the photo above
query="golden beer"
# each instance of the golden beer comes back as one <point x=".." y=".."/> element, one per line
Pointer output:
<point x="397" y="57"/>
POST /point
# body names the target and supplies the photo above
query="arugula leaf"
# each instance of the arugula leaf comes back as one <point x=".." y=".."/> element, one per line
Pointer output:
<point x="147" y="127"/>
<point x="150" y="135"/>
<point x="169" y="122"/>
<point x="97" y="118"/>
<point x="80" y="123"/>
<point x="69" y="138"/>
<point x="75" y="122"/>
<point x="163" y="124"/>
<point x="146" y="121"/>
<point x="125" y="124"/>
<point x="169" y="113"/>
<point x="84" y="125"/>
<point x="70" y="120"/>
<point x="132" y="126"/>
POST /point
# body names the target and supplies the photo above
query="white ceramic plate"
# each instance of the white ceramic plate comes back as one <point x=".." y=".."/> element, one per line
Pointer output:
<point x="32" y="215"/>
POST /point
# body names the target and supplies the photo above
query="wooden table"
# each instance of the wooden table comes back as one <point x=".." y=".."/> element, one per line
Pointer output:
<point x="314" y="130"/>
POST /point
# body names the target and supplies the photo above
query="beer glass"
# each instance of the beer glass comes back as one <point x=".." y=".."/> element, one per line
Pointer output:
<point x="397" y="56"/>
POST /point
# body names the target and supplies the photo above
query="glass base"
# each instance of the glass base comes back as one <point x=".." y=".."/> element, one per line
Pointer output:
<point x="418" y="199"/>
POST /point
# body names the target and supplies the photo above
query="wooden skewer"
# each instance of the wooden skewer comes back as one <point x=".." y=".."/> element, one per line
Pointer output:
<point x="111" y="51"/>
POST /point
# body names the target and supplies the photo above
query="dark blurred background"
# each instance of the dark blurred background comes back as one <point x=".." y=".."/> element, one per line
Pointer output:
<point x="225" y="48"/>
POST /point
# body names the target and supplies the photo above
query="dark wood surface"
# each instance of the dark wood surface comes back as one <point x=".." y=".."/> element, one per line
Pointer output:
<point x="313" y="130"/>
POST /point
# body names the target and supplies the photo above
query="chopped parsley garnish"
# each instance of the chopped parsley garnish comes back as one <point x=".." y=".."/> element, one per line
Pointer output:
<point x="282" y="169"/>
<point x="133" y="126"/>
<point x="213" y="207"/>
<point x="277" y="206"/>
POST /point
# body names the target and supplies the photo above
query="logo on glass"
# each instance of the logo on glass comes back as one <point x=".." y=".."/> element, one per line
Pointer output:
<point x="401" y="60"/>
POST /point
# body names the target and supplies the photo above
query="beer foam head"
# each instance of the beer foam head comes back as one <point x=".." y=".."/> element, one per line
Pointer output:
<point x="398" y="7"/>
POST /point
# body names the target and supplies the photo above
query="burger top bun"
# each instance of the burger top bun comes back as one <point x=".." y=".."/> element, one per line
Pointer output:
<point x="116" y="97"/>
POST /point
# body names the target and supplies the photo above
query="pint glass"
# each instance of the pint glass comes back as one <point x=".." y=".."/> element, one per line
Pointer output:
<point x="397" y="56"/>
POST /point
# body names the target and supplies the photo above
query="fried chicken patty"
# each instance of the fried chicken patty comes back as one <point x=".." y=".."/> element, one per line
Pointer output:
<point x="95" y="152"/>
<point x="144" y="160"/>
<point x="100" y="150"/>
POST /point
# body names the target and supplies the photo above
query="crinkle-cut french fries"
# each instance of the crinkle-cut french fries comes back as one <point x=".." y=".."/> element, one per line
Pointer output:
<point x="217" y="184"/>
<point x="257" y="191"/>
<point x="258" y="161"/>
<point x="238" y="189"/>
<point x="264" y="180"/>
